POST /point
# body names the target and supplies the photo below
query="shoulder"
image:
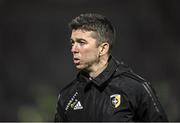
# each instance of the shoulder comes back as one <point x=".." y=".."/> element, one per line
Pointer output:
<point x="69" y="87"/>
<point x="67" y="90"/>
<point x="133" y="80"/>
<point x="126" y="78"/>
<point x="130" y="85"/>
<point x="128" y="81"/>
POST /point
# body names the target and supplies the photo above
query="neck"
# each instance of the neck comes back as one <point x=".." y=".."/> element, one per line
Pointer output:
<point x="99" y="67"/>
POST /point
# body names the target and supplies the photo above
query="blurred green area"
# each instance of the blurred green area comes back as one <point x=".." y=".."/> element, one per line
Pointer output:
<point x="43" y="108"/>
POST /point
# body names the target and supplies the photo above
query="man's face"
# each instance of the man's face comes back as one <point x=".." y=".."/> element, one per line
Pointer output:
<point x="84" y="49"/>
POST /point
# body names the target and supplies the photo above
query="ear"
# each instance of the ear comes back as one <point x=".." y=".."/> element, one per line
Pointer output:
<point x="104" y="48"/>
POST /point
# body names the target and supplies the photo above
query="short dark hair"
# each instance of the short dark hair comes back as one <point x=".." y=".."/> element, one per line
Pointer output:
<point x="98" y="23"/>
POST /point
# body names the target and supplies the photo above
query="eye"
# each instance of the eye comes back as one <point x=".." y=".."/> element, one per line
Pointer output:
<point x="82" y="43"/>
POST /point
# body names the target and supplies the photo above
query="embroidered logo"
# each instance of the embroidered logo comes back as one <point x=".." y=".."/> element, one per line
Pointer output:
<point x="71" y="101"/>
<point x="115" y="100"/>
<point x="78" y="106"/>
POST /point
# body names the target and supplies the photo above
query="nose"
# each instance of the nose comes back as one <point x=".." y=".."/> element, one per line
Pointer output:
<point x="74" y="48"/>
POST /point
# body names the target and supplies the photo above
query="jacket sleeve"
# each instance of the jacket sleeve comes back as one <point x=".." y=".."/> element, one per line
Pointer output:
<point x="59" y="115"/>
<point x="149" y="108"/>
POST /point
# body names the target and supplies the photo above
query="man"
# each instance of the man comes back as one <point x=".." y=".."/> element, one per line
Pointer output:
<point x="104" y="89"/>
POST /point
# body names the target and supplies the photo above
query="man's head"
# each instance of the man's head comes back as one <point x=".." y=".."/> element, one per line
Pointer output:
<point x="97" y="23"/>
<point x="92" y="38"/>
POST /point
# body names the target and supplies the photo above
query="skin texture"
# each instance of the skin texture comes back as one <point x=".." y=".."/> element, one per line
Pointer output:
<point x="87" y="55"/>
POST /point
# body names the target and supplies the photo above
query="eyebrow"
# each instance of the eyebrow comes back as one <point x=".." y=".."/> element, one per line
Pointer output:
<point x="77" y="40"/>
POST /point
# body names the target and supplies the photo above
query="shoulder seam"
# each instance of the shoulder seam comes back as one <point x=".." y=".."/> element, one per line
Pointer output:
<point x="151" y="94"/>
<point x="134" y="76"/>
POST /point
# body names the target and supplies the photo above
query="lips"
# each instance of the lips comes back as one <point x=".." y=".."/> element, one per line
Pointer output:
<point x="76" y="60"/>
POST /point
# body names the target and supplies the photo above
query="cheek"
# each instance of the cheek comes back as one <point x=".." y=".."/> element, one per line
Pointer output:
<point x="90" y="54"/>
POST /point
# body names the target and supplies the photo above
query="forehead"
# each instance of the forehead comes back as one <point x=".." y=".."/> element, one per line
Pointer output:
<point x="79" y="33"/>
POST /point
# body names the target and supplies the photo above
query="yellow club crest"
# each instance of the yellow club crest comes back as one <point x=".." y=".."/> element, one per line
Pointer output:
<point x="115" y="100"/>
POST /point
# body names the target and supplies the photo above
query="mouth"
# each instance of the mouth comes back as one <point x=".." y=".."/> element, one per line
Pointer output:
<point x="76" y="60"/>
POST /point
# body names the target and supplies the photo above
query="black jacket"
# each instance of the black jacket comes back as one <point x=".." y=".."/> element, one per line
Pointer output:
<point x="117" y="94"/>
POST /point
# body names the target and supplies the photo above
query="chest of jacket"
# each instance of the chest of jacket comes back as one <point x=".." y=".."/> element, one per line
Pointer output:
<point x="90" y="103"/>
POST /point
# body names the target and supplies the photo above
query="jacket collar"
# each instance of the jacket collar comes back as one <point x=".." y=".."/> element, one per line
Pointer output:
<point x="106" y="74"/>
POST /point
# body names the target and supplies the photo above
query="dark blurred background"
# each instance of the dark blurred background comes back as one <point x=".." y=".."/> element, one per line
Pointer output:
<point x="36" y="60"/>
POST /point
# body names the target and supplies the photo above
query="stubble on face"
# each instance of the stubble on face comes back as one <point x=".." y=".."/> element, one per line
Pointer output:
<point x="88" y="53"/>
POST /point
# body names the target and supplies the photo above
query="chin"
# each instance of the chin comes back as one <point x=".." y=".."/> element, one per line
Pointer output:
<point x="79" y="67"/>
